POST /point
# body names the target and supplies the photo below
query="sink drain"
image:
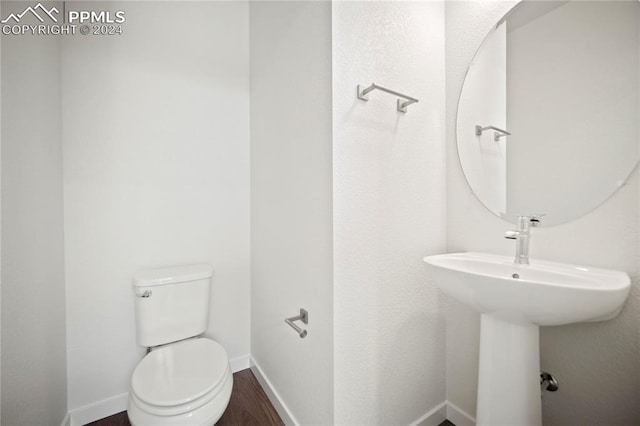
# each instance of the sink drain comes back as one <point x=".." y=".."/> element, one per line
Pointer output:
<point x="516" y="276"/>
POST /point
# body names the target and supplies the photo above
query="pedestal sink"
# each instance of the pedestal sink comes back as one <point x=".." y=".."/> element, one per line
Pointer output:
<point x="514" y="300"/>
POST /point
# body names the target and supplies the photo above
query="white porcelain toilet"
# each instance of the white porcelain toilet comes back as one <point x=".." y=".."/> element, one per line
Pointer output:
<point x="184" y="379"/>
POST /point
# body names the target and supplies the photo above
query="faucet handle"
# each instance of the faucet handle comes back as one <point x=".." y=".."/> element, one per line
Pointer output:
<point x="533" y="219"/>
<point x="511" y="235"/>
<point x="536" y="219"/>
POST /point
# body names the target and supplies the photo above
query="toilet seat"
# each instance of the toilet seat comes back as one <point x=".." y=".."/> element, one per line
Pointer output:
<point x="180" y="378"/>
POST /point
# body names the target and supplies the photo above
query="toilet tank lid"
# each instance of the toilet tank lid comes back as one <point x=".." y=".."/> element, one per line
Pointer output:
<point x="172" y="275"/>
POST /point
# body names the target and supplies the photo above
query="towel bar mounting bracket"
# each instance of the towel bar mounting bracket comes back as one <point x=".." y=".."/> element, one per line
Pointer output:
<point x="363" y="94"/>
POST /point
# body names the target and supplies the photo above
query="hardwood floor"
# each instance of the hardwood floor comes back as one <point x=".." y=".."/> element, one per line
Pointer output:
<point x="248" y="406"/>
<point x="119" y="419"/>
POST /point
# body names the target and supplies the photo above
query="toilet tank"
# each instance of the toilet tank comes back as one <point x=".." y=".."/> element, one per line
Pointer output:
<point x="171" y="303"/>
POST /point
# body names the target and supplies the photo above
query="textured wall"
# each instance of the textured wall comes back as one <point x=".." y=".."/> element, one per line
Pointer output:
<point x="389" y="211"/>
<point x="291" y="207"/>
<point x="156" y="172"/>
<point x="33" y="304"/>
<point x="597" y="364"/>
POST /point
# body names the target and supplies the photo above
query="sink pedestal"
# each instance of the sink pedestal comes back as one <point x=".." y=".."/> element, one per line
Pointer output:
<point x="509" y="373"/>
<point x="514" y="301"/>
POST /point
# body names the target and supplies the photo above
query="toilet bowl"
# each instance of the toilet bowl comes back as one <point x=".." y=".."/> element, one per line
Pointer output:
<point x="185" y="379"/>
<point x="186" y="383"/>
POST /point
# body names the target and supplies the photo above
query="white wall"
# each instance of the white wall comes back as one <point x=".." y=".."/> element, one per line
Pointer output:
<point x="33" y="305"/>
<point x="389" y="212"/>
<point x="592" y="78"/>
<point x="156" y="172"/>
<point x="484" y="103"/>
<point x="1" y="127"/>
<point x="596" y="363"/>
<point x="291" y="206"/>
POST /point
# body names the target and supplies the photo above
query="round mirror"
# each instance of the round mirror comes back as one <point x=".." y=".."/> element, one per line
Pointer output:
<point x="548" y="119"/>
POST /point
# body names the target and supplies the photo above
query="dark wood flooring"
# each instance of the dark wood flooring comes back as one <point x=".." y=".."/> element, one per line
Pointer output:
<point x="249" y="406"/>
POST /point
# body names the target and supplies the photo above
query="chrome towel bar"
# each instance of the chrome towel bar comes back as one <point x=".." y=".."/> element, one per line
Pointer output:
<point x="402" y="106"/>
<point x="496" y="136"/>
<point x="304" y="317"/>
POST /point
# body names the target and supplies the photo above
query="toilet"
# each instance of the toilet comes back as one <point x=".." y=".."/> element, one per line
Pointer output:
<point x="184" y="379"/>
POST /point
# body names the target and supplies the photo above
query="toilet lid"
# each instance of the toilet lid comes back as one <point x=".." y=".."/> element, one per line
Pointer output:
<point x="180" y="373"/>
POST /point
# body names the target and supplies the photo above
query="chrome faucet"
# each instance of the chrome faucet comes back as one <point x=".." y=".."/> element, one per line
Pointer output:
<point x="522" y="236"/>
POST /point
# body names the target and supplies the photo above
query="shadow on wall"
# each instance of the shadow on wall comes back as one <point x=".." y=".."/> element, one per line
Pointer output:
<point x="419" y="336"/>
<point x="574" y="364"/>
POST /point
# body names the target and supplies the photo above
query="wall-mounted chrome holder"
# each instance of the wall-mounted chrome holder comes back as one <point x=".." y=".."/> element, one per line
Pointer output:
<point x="145" y="295"/>
<point x="363" y="94"/>
<point x="304" y="317"/>
<point x="496" y="136"/>
<point x="548" y="382"/>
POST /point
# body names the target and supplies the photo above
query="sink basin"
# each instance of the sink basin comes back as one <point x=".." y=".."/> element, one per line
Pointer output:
<point x="542" y="293"/>
<point x="514" y="300"/>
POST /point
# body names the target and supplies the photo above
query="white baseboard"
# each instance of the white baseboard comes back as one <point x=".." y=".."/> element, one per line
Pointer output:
<point x="458" y="416"/>
<point x="286" y="415"/>
<point x="98" y="410"/>
<point x="433" y="417"/>
<point x="239" y="363"/>
<point x="66" y="421"/>
<point x="116" y="404"/>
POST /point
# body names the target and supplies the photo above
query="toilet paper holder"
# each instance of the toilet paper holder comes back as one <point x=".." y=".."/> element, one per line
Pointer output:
<point x="304" y="317"/>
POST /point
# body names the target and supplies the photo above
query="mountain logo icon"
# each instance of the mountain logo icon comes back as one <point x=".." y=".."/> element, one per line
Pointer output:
<point x="43" y="11"/>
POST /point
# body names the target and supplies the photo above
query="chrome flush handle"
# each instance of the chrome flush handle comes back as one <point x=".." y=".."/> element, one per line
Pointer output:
<point x="146" y="294"/>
